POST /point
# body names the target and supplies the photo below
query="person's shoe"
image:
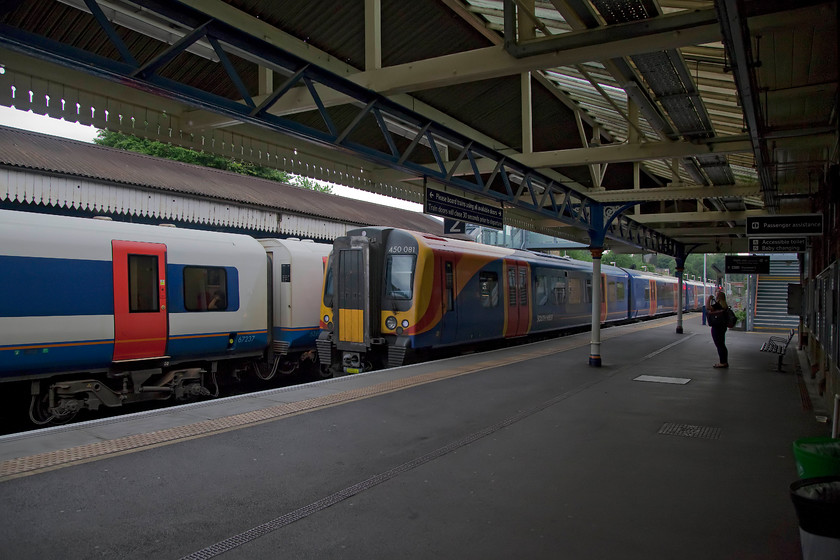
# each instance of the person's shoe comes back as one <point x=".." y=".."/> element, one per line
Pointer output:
<point x="721" y="365"/>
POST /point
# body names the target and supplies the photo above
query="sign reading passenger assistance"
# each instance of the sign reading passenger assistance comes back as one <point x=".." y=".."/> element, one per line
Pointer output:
<point x="446" y="205"/>
<point x="780" y="225"/>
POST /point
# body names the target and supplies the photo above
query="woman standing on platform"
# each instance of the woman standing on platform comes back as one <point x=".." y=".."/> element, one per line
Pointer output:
<point x="716" y="310"/>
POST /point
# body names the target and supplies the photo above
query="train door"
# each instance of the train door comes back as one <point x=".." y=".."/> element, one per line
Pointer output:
<point x="352" y="295"/>
<point x="517" y="298"/>
<point x="652" y="297"/>
<point x="140" y="318"/>
<point x="449" y="318"/>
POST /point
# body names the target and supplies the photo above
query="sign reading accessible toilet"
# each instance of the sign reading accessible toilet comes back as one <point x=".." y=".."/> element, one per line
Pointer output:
<point x="790" y="225"/>
<point x="778" y="244"/>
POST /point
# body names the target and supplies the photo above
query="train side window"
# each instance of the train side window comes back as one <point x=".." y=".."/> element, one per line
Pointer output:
<point x="647" y="293"/>
<point x="512" y="287"/>
<point x="399" y="276"/>
<point x="559" y="291"/>
<point x="619" y="291"/>
<point x="143" y="284"/>
<point x="329" y="286"/>
<point x="587" y="294"/>
<point x="205" y="288"/>
<point x="489" y="286"/>
<point x="541" y="289"/>
<point x="523" y="286"/>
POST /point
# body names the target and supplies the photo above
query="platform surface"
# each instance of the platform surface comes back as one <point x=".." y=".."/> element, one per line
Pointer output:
<point x="524" y="452"/>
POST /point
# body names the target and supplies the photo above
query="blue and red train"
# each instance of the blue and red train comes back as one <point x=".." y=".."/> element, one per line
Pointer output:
<point x="390" y="294"/>
<point x="100" y="313"/>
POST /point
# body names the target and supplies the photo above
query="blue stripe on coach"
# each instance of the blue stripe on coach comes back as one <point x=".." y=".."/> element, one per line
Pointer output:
<point x="44" y="287"/>
<point x="299" y="338"/>
<point x="22" y="359"/>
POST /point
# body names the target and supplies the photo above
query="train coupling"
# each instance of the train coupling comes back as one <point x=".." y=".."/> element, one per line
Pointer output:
<point x="188" y="391"/>
<point x="352" y="362"/>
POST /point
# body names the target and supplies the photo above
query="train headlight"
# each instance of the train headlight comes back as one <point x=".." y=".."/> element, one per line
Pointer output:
<point x="405" y="323"/>
<point x="391" y="323"/>
<point x="326" y="318"/>
<point x="330" y="326"/>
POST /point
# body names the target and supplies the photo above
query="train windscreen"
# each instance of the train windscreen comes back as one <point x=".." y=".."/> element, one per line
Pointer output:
<point x="399" y="276"/>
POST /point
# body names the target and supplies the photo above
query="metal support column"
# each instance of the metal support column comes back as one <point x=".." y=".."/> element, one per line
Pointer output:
<point x="595" y="343"/>
<point x="680" y="268"/>
<point x="601" y="218"/>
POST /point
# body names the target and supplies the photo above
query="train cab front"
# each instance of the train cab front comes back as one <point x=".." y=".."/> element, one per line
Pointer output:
<point x="368" y="300"/>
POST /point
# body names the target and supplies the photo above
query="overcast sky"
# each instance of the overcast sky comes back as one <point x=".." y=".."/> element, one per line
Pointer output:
<point x="57" y="127"/>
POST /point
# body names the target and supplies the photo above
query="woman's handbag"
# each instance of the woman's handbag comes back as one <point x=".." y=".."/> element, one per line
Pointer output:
<point x="731" y="319"/>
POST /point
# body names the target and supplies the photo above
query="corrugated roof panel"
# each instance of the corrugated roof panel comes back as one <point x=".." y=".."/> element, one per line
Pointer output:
<point x="337" y="28"/>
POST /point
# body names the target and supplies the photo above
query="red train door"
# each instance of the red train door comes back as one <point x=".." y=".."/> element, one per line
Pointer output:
<point x="140" y="322"/>
<point x="517" y="302"/>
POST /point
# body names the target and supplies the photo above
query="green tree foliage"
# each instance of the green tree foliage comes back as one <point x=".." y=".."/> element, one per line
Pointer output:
<point x="311" y="184"/>
<point x="580" y="255"/>
<point x="167" y="151"/>
<point x="624" y="261"/>
<point x="693" y="264"/>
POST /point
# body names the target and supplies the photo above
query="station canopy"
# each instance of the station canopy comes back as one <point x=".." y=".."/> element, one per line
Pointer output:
<point x="664" y="125"/>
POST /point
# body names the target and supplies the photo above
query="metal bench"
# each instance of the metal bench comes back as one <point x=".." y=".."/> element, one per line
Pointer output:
<point x="778" y="345"/>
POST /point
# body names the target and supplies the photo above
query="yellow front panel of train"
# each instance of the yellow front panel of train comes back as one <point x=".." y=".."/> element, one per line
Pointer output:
<point x="351" y="326"/>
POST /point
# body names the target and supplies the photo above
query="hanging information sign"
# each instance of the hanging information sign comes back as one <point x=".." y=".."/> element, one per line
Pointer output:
<point x="790" y="225"/>
<point x="447" y="205"/>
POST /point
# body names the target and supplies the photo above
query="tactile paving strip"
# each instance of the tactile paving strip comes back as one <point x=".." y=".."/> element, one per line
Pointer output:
<point x="64" y="457"/>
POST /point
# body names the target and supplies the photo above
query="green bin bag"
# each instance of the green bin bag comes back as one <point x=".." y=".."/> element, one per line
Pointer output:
<point x="817" y="456"/>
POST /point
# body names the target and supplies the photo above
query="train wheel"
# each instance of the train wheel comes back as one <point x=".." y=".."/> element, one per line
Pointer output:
<point x="288" y="367"/>
<point x="325" y="371"/>
<point x="41" y="414"/>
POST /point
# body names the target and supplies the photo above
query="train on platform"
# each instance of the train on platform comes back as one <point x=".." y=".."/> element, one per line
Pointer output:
<point x="101" y="313"/>
<point x="391" y="296"/>
<point x="97" y="313"/>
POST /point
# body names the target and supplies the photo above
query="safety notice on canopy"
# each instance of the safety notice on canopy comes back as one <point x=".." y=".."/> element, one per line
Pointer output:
<point x="447" y="205"/>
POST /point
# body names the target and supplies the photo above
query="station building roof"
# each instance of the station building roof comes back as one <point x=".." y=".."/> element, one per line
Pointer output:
<point x="62" y="173"/>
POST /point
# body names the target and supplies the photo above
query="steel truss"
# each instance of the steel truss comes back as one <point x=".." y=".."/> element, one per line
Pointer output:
<point x="419" y="151"/>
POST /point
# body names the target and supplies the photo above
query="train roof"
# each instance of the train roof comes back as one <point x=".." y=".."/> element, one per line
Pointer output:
<point x="474" y="248"/>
